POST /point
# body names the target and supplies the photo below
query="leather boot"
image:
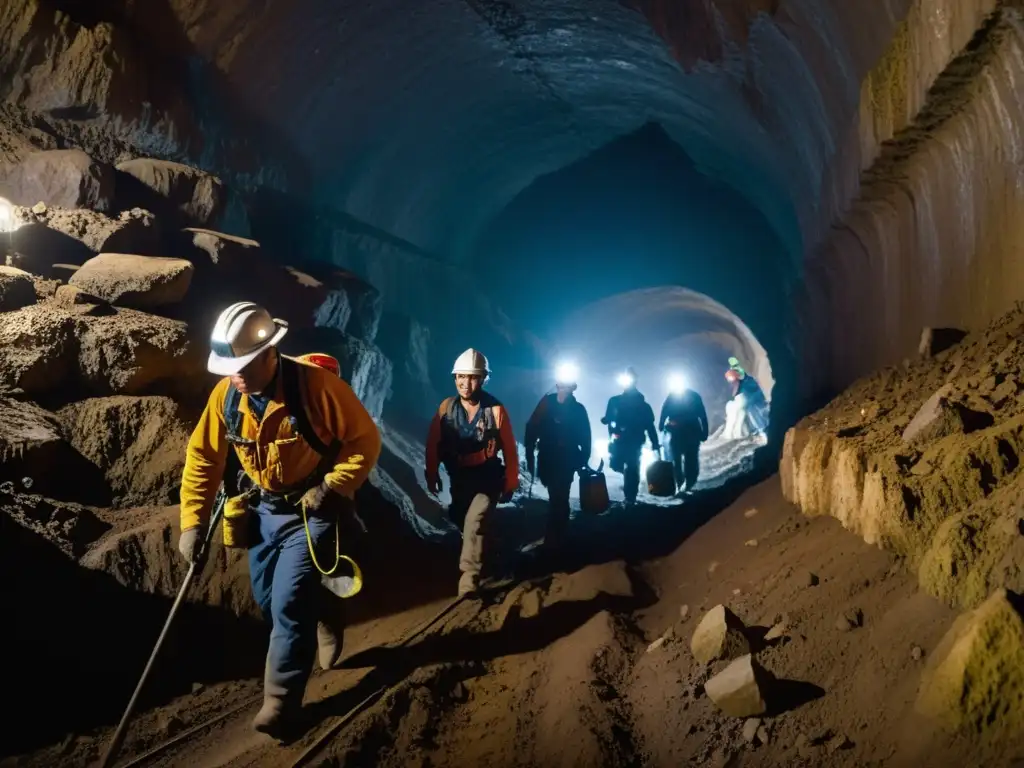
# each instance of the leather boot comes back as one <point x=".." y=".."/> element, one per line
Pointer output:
<point x="277" y="715"/>
<point x="329" y="642"/>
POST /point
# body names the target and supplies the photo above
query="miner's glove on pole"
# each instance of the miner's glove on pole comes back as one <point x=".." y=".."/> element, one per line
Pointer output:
<point x="188" y="543"/>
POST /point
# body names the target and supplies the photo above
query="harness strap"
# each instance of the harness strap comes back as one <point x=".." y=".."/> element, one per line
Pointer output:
<point x="295" y="400"/>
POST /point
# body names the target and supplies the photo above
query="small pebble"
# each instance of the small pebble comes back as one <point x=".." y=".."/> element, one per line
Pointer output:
<point x="750" y="513"/>
<point x="916" y="653"/>
<point x="684" y="611"/>
<point x="197" y="688"/>
<point x="751" y="543"/>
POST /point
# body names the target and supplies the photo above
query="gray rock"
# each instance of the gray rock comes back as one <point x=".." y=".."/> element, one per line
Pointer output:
<point x="134" y="353"/>
<point x="940" y="417"/>
<point x="198" y="195"/>
<point x="750" y="728"/>
<point x="140" y="282"/>
<point x="32" y="446"/>
<point x="38" y="350"/>
<point x="63" y="178"/>
<point x="720" y="635"/>
<point x="17" y="289"/>
<point x="739" y="689"/>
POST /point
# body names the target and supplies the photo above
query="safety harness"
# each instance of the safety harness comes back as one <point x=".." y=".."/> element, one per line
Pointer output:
<point x="488" y="433"/>
<point x="293" y="385"/>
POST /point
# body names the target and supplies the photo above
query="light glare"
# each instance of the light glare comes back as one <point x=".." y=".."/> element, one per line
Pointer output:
<point x="7" y="222"/>
<point x="566" y="373"/>
<point x="677" y="383"/>
<point x="625" y="380"/>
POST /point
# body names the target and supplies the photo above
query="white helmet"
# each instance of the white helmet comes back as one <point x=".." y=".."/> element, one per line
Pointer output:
<point x="472" y="362"/>
<point x="243" y="330"/>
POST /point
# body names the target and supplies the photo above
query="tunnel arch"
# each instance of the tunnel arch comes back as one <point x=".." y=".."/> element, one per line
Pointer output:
<point x="661" y="331"/>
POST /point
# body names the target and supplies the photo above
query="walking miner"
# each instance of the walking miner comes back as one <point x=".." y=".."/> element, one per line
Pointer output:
<point x="305" y="444"/>
<point x="466" y="435"/>
<point x="560" y="429"/>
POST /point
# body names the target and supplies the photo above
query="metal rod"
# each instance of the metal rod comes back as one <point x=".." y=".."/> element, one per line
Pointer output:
<point x="194" y="567"/>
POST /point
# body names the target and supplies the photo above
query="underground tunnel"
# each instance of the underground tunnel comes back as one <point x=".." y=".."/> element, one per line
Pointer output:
<point x="828" y="192"/>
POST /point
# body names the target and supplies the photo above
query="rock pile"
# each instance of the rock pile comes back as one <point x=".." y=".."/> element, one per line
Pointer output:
<point x="112" y="280"/>
<point x="924" y="459"/>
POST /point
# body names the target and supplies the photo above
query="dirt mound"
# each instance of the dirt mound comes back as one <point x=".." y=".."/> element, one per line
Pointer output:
<point x="916" y="458"/>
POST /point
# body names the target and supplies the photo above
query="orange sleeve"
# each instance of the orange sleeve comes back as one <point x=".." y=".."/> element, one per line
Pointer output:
<point x="433" y="446"/>
<point x="510" y="451"/>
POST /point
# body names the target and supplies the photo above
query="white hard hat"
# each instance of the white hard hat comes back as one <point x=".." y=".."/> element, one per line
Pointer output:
<point x="472" y="362"/>
<point x="243" y="330"/>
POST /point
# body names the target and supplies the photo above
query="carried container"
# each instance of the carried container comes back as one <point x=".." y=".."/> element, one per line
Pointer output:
<point x="661" y="480"/>
<point x="594" y="498"/>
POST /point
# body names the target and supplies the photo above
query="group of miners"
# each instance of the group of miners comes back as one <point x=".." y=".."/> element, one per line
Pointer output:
<point x="284" y="443"/>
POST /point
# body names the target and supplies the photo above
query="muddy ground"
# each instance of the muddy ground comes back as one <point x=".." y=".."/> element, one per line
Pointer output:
<point x="591" y="665"/>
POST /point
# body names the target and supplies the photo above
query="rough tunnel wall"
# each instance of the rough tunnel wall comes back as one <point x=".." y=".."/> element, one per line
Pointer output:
<point x="935" y="238"/>
<point x="121" y="80"/>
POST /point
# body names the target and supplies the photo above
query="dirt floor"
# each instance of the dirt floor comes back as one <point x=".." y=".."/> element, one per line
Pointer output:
<point x="591" y="666"/>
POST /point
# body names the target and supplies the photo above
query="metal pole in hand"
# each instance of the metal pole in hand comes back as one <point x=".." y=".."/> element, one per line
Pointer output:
<point x="195" y="567"/>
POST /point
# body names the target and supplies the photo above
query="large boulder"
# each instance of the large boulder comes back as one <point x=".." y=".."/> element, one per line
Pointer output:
<point x="17" y="289"/>
<point x="162" y="185"/>
<point x="974" y="681"/>
<point x="51" y="236"/>
<point x="38" y="350"/>
<point x="140" y="282"/>
<point x="34" y="454"/>
<point x="134" y="353"/>
<point x="66" y="178"/>
<point x="137" y="442"/>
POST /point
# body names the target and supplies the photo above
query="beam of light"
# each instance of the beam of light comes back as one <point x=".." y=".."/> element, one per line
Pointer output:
<point x="676" y="383"/>
<point x="567" y="373"/>
<point x="600" y="450"/>
<point x="647" y="457"/>
<point x="625" y="380"/>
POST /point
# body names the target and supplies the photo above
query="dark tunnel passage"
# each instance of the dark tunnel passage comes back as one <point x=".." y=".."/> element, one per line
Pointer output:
<point x="631" y="256"/>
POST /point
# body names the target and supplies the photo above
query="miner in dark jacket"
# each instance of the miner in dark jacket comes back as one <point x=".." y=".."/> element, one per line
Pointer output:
<point x="685" y="419"/>
<point x="560" y="429"/>
<point x="630" y="421"/>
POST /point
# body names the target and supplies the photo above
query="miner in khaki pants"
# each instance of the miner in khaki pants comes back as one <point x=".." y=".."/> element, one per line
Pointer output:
<point x="466" y="435"/>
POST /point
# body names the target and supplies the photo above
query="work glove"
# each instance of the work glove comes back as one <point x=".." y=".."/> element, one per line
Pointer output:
<point x="189" y="543"/>
<point x="434" y="484"/>
<point x="313" y="500"/>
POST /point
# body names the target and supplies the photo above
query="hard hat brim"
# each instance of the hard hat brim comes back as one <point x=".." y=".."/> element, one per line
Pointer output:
<point x="229" y="366"/>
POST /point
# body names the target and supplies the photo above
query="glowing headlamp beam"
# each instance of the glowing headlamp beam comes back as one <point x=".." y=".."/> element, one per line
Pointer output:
<point x="625" y="380"/>
<point x="676" y="383"/>
<point x="567" y="373"/>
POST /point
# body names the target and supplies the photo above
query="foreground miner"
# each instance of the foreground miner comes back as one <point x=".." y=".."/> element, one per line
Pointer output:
<point x="630" y="420"/>
<point x="304" y="464"/>
<point x="466" y="434"/>
<point x="685" y="419"/>
<point x="560" y="429"/>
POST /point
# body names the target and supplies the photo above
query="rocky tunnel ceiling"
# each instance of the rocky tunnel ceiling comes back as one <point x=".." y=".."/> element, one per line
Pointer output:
<point x="427" y="122"/>
<point x="828" y="117"/>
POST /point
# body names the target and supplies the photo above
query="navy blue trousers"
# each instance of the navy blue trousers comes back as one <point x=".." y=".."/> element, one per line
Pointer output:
<point x="286" y="586"/>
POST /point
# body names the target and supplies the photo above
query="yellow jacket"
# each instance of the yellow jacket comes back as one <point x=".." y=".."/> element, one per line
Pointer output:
<point x="278" y="457"/>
